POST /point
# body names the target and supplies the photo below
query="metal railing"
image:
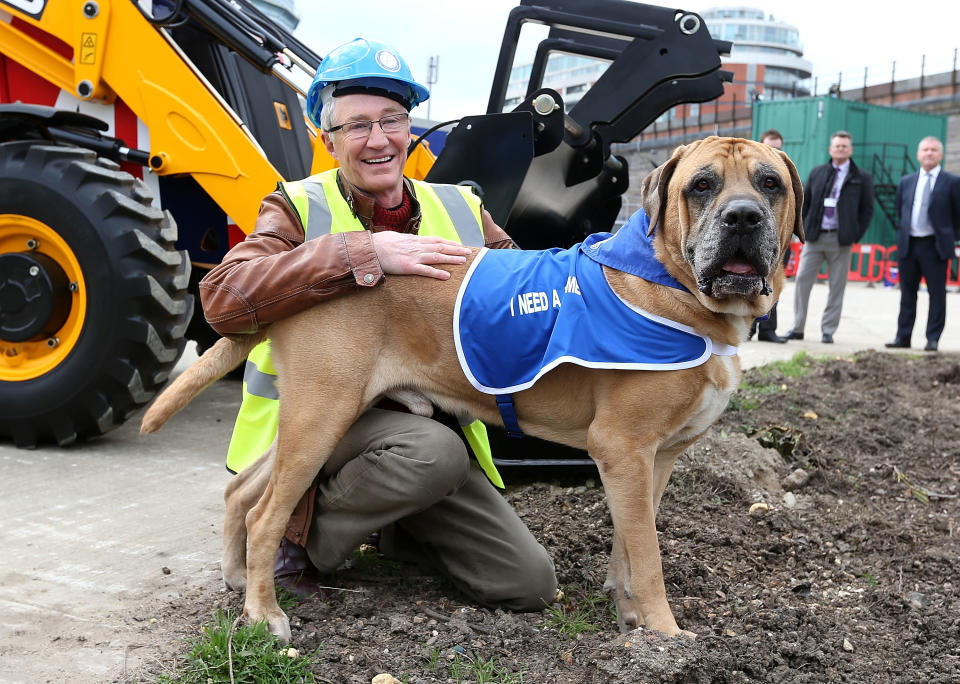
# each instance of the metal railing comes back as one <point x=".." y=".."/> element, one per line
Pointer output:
<point x="879" y="84"/>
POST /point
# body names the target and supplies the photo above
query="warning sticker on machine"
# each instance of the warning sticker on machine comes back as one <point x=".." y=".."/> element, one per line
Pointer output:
<point x="88" y="48"/>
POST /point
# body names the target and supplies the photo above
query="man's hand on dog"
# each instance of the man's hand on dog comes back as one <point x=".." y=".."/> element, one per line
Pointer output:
<point x="404" y="254"/>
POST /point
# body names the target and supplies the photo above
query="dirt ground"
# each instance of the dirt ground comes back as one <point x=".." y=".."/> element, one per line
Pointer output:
<point x="849" y="576"/>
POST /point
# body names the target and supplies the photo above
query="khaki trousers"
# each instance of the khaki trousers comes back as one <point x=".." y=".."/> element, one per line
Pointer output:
<point x="826" y="248"/>
<point x="412" y="479"/>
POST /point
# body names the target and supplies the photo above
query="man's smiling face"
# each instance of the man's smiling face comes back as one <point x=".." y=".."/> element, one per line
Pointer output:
<point x="374" y="163"/>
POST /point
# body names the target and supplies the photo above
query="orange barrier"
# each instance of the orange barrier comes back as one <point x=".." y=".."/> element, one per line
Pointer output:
<point x="870" y="263"/>
<point x="870" y="269"/>
<point x="891" y="274"/>
<point x="875" y="262"/>
<point x="793" y="259"/>
<point x="953" y="270"/>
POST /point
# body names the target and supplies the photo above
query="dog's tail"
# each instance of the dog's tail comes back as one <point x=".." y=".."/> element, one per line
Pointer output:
<point x="216" y="362"/>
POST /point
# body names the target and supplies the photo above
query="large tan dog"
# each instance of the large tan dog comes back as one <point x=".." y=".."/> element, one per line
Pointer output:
<point x="723" y="210"/>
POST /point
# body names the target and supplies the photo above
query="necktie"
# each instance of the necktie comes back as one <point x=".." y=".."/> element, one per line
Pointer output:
<point x="923" y="220"/>
<point x="829" y="212"/>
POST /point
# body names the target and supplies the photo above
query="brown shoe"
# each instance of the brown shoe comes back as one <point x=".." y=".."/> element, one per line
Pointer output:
<point x="293" y="571"/>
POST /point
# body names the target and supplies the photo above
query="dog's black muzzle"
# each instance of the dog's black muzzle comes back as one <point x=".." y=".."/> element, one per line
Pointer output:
<point x="738" y="251"/>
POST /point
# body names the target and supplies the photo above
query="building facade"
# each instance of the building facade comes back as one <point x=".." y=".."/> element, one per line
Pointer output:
<point x="767" y="56"/>
<point x="570" y="75"/>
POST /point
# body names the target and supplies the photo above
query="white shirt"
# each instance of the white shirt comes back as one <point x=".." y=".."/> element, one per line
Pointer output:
<point x="918" y="198"/>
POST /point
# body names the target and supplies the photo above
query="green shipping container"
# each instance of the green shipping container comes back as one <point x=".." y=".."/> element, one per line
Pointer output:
<point x="885" y="141"/>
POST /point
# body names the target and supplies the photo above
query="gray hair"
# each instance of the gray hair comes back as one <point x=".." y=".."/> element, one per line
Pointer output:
<point x="327" y="101"/>
<point x="931" y="138"/>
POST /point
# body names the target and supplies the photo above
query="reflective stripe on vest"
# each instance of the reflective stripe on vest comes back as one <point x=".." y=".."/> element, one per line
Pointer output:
<point x="447" y="211"/>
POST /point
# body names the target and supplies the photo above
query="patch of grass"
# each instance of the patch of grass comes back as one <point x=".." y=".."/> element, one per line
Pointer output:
<point x="797" y="366"/>
<point x="741" y="402"/>
<point x="433" y="659"/>
<point x="253" y="654"/>
<point x="367" y="560"/>
<point x="748" y="394"/>
<point x="870" y="579"/>
<point x="921" y="494"/>
<point x="580" y="612"/>
<point x="286" y="599"/>
<point x="480" y="671"/>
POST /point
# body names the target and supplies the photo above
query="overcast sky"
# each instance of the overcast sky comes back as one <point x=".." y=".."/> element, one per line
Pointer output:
<point x="466" y="35"/>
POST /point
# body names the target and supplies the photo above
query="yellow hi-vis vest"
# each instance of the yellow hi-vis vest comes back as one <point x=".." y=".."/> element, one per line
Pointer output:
<point x="447" y="211"/>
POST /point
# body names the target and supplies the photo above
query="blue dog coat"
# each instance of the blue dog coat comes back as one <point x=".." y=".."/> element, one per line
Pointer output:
<point x="519" y="314"/>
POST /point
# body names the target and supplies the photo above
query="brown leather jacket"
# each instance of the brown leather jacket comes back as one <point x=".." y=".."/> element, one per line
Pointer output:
<point x="273" y="273"/>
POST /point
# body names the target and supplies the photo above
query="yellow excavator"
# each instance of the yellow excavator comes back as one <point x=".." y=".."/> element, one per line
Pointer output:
<point x="137" y="138"/>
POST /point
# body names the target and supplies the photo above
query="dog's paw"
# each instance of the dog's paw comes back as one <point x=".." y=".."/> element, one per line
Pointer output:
<point x="277" y="622"/>
<point x="235" y="578"/>
<point x="666" y="625"/>
<point x="628" y="617"/>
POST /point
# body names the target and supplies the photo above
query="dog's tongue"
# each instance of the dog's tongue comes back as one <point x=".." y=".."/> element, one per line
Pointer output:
<point x="739" y="266"/>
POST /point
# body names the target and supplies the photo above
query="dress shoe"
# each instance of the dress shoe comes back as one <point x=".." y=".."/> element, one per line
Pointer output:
<point x="827" y="338"/>
<point x="898" y="343"/>
<point x="770" y="336"/>
<point x="293" y="571"/>
<point x="793" y="335"/>
<point x="931" y="346"/>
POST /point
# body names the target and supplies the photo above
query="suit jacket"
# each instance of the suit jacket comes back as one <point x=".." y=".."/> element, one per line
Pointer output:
<point x="944" y="212"/>
<point x="854" y="204"/>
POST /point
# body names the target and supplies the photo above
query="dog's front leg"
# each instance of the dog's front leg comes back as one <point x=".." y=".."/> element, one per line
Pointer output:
<point x="627" y="470"/>
<point x="618" y="571"/>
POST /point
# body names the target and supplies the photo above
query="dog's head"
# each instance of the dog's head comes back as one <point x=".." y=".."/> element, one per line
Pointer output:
<point x="723" y="210"/>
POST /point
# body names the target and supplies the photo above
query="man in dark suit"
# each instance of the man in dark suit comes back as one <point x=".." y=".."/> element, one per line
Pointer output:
<point x="837" y="209"/>
<point x="928" y="207"/>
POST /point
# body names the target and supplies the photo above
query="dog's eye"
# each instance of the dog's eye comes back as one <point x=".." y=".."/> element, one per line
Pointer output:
<point x="702" y="185"/>
<point x="771" y="182"/>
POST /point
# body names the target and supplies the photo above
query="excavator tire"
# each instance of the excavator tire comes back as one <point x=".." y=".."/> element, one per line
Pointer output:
<point x="93" y="294"/>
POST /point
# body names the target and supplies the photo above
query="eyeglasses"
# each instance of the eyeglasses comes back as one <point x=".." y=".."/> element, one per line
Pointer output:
<point x="392" y="123"/>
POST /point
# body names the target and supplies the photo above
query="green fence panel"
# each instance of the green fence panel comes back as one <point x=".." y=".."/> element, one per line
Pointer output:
<point x="885" y="141"/>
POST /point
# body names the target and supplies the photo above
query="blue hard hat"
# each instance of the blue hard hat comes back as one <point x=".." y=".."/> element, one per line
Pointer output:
<point x="365" y="66"/>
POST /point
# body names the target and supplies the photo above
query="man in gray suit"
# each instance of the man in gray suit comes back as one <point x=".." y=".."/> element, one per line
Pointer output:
<point x="837" y="209"/>
<point x="928" y="207"/>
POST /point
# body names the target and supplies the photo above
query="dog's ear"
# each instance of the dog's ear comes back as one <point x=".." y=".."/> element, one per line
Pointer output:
<point x="653" y="191"/>
<point x="797" y="196"/>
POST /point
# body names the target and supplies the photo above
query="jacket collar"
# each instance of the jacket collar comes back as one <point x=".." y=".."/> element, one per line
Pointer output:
<point x="852" y="171"/>
<point x="362" y="204"/>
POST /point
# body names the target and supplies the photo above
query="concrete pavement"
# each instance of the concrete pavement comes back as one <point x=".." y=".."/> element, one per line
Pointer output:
<point x="87" y="531"/>
<point x="869" y="320"/>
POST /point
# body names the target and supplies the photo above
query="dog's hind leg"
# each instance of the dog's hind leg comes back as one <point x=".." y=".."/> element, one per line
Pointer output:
<point x="617" y="586"/>
<point x="307" y="436"/>
<point x="241" y="494"/>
